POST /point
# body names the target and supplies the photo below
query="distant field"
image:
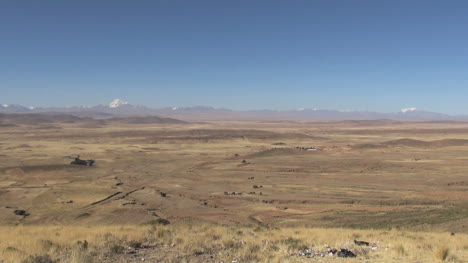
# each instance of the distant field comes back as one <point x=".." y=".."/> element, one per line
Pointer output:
<point x="365" y="175"/>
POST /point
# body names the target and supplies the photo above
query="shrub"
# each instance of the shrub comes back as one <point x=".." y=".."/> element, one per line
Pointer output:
<point x="39" y="259"/>
<point x="253" y="249"/>
<point x="47" y="244"/>
<point x="232" y="244"/>
<point x="273" y="247"/>
<point x="229" y="244"/>
<point x="294" y="244"/>
<point x="159" y="221"/>
<point x="250" y="257"/>
<point x="258" y="229"/>
<point x="82" y="244"/>
<point x="161" y="233"/>
<point x="134" y="244"/>
<point x="117" y="249"/>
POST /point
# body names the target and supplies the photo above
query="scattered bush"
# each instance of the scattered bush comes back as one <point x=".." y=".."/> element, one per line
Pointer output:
<point x="253" y="249"/>
<point x="161" y="233"/>
<point x="117" y="249"/>
<point x="229" y="244"/>
<point x="82" y="244"/>
<point x="259" y="229"/>
<point x="47" y="244"/>
<point x="294" y="244"/>
<point x="250" y="257"/>
<point x="273" y="247"/>
<point x="134" y="244"/>
<point x="232" y="244"/>
<point x="39" y="259"/>
<point x="196" y="241"/>
<point x="159" y="221"/>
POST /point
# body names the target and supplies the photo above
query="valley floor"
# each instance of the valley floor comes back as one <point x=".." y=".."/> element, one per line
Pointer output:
<point x="344" y="179"/>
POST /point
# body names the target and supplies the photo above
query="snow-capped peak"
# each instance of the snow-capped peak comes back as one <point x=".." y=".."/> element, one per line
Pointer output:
<point x="116" y="103"/>
<point x="5" y="105"/>
<point x="174" y="108"/>
<point x="300" y="109"/>
<point x="405" y="110"/>
<point x="31" y="108"/>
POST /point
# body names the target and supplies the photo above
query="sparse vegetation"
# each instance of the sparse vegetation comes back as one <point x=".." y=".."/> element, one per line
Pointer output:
<point x="294" y="244"/>
<point x="188" y="198"/>
<point x="39" y="259"/>
<point x="134" y="244"/>
<point x="117" y="249"/>
<point x="83" y="244"/>
<point x="223" y="243"/>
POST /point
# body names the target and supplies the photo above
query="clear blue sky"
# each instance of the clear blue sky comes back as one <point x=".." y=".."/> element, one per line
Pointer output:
<point x="240" y="54"/>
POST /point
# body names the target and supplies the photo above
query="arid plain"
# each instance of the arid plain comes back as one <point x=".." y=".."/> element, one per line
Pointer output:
<point x="360" y="176"/>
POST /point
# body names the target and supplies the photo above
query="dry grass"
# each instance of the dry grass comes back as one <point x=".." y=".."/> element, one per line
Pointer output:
<point x="442" y="253"/>
<point x="194" y="242"/>
<point x="20" y="242"/>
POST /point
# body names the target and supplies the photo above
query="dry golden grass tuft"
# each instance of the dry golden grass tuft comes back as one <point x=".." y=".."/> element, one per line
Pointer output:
<point x="197" y="242"/>
<point x="442" y="253"/>
<point x="18" y="243"/>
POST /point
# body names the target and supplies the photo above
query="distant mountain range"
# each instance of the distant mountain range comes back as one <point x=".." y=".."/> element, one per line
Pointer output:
<point x="47" y="120"/>
<point x="119" y="108"/>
